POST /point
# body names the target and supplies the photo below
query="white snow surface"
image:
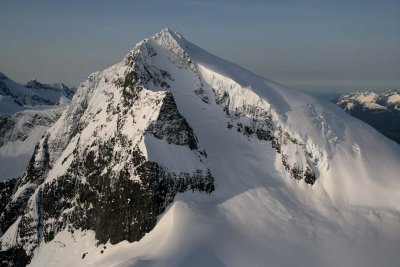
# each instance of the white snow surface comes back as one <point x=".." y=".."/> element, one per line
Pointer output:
<point x="257" y="215"/>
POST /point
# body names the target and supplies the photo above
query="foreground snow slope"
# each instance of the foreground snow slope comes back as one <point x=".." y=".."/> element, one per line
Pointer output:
<point x="297" y="181"/>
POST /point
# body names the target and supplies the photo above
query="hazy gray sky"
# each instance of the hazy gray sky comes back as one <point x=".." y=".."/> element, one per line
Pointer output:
<point x="312" y="44"/>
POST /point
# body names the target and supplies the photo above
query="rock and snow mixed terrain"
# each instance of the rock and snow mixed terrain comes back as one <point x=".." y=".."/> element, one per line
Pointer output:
<point x="19" y="135"/>
<point x="175" y="157"/>
<point x="380" y="110"/>
<point x="26" y="111"/>
<point x="15" y="97"/>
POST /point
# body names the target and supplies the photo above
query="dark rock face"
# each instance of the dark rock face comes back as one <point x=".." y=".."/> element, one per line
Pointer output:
<point x="113" y="204"/>
<point x="6" y="127"/>
<point x="6" y="190"/>
<point x="170" y="125"/>
<point x="3" y="88"/>
<point x="30" y="181"/>
<point x="38" y="168"/>
<point x="11" y="209"/>
<point x="14" y="257"/>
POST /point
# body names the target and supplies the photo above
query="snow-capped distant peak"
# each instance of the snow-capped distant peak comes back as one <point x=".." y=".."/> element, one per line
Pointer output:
<point x="370" y="100"/>
<point x="380" y="110"/>
<point x="15" y="97"/>
<point x="34" y="84"/>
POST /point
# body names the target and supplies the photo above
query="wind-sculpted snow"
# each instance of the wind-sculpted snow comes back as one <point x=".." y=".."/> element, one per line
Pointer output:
<point x="281" y="179"/>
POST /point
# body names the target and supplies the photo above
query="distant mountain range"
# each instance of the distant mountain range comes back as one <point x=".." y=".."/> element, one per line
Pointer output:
<point x="33" y="95"/>
<point x="26" y="112"/>
<point x="380" y="110"/>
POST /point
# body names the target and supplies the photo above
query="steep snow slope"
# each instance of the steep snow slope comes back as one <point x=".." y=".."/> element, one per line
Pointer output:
<point x="283" y="179"/>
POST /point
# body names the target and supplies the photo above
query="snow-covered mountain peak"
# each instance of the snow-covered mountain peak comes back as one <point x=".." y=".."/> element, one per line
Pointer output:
<point x="168" y="62"/>
<point x="167" y="35"/>
<point x="166" y="32"/>
<point x="166" y="38"/>
<point x="277" y="173"/>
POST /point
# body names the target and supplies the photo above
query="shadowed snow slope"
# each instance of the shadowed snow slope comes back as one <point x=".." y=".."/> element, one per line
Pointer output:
<point x="296" y="181"/>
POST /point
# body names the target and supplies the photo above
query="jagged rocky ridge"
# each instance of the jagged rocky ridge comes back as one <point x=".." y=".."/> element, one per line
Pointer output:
<point x="57" y="87"/>
<point x="16" y="97"/>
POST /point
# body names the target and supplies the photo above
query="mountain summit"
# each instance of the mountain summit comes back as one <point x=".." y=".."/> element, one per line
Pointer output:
<point x="175" y="157"/>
